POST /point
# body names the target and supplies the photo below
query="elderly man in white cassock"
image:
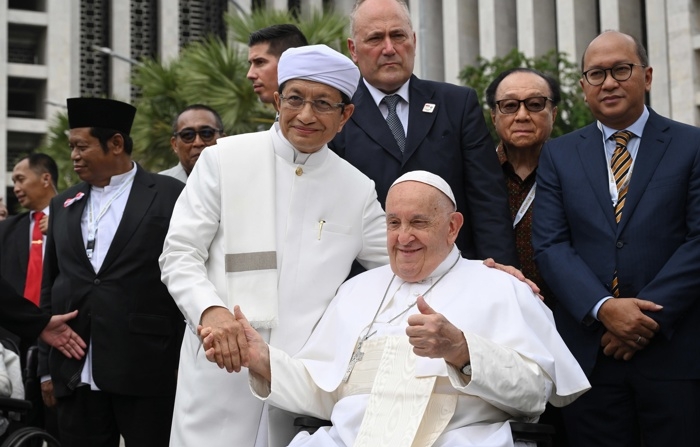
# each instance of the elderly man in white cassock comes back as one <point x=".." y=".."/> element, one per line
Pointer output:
<point x="270" y="221"/>
<point x="433" y="350"/>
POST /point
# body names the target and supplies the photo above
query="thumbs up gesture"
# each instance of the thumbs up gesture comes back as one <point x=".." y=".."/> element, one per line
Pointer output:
<point x="433" y="336"/>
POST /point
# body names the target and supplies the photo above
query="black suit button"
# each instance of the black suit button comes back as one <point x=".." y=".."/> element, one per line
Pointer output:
<point x="96" y="281"/>
<point x="619" y="244"/>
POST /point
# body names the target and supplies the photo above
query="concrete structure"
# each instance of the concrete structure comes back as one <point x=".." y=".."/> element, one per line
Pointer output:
<point x="51" y="46"/>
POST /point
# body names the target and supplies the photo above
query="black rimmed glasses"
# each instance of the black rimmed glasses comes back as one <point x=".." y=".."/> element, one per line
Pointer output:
<point x="533" y="104"/>
<point x="619" y="72"/>
<point x="188" y="135"/>
<point x="319" y="105"/>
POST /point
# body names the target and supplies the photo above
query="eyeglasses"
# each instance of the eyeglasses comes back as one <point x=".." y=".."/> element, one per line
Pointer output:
<point x="619" y="72"/>
<point x="319" y="105"/>
<point x="511" y="106"/>
<point x="188" y="135"/>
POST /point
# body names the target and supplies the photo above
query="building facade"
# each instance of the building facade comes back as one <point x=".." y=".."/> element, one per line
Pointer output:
<point x="58" y="49"/>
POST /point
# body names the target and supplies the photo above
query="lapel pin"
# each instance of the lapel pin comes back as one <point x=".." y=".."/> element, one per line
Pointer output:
<point x="69" y="202"/>
<point x="428" y="107"/>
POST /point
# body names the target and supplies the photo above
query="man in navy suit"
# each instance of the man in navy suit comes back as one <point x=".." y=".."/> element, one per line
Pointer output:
<point x="617" y="238"/>
<point x="441" y="129"/>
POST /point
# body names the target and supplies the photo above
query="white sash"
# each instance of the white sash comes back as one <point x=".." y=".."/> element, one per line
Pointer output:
<point x="248" y="217"/>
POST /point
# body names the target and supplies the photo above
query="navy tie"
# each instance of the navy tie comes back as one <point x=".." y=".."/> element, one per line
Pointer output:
<point x="393" y="120"/>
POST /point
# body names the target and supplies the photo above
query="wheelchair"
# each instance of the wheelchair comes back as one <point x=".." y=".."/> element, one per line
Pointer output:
<point x="18" y="433"/>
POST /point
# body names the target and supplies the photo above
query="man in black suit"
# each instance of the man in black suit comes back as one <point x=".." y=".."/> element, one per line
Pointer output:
<point x="437" y="127"/>
<point x="105" y="236"/>
<point x="21" y="252"/>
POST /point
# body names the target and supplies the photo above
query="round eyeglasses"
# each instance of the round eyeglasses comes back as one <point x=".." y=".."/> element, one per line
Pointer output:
<point x="619" y="72"/>
<point x="319" y="105"/>
<point x="188" y="135"/>
<point x="533" y="104"/>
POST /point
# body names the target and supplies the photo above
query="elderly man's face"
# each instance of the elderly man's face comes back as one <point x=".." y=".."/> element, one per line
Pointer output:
<point x="421" y="229"/>
<point x="196" y="120"/>
<point x="263" y="71"/>
<point x="383" y="45"/>
<point x="306" y="128"/>
<point x="92" y="164"/>
<point x="524" y="129"/>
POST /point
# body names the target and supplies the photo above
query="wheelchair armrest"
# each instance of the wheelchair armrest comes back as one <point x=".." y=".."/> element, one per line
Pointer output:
<point x="542" y="434"/>
<point x="18" y="405"/>
<point x="310" y="423"/>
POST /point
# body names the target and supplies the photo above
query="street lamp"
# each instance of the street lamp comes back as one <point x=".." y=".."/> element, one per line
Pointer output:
<point x="109" y="52"/>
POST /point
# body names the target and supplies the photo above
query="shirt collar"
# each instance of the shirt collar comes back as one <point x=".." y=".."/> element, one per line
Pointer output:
<point x="378" y="95"/>
<point x="636" y="128"/>
<point x="284" y="149"/>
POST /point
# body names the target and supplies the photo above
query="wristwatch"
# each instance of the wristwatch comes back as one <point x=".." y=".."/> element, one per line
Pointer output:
<point x="467" y="369"/>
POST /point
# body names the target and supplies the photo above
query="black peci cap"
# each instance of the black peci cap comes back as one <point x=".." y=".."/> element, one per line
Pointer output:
<point x="100" y="112"/>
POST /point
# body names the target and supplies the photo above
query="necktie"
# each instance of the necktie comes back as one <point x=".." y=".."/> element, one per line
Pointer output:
<point x="32" y="286"/>
<point x="393" y="120"/>
<point x="620" y="164"/>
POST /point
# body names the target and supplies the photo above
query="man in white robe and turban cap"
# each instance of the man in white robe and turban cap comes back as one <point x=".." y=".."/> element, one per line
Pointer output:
<point x="433" y="350"/>
<point x="270" y="221"/>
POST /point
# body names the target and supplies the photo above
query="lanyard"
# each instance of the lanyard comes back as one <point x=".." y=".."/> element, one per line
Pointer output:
<point x="525" y="205"/>
<point x="94" y="221"/>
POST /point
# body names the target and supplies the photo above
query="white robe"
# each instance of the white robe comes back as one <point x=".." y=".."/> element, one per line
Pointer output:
<point x="212" y="407"/>
<point x="518" y="359"/>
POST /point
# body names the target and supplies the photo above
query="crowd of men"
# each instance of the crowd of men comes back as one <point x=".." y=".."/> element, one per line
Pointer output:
<point x="211" y="305"/>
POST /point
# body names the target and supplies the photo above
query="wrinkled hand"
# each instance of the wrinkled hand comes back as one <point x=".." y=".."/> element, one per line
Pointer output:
<point x="258" y="351"/>
<point x="433" y="336"/>
<point x="47" y="393"/>
<point x="44" y="224"/>
<point x="514" y="272"/>
<point x="59" y="335"/>
<point x="226" y="338"/>
<point x="617" y="348"/>
<point x="624" y="318"/>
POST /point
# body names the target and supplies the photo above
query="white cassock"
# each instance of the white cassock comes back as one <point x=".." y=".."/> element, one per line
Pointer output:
<point x="212" y="407"/>
<point x="518" y="361"/>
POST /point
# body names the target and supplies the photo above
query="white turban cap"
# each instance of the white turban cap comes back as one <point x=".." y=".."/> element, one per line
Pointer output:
<point x="429" y="179"/>
<point x="319" y="63"/>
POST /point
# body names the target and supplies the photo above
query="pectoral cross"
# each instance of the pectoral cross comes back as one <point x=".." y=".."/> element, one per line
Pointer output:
<point x="356" y="357"/>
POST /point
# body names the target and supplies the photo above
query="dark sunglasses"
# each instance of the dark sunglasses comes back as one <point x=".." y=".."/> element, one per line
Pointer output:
<point x="188" y="134"/>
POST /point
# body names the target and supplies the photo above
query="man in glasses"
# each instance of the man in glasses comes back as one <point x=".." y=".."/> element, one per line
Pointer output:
<point x="523" y="104"/>
<point x="195" y="128"/>
<point x="270" y="221"/>
<point x="617" y="239"/>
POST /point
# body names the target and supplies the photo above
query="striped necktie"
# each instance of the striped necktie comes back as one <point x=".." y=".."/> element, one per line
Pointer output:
<point x="620" y="164"/>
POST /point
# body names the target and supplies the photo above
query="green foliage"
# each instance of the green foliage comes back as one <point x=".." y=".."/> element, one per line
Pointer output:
<point x="572" y="113"/>
<point x="210" y="72"/>
<point x="322" y="27"/>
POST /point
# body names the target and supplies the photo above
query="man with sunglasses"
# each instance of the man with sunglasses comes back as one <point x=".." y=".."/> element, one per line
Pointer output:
<point x="195" y="128"/>
<point x="270" y="221"/>
<point x="617" y="239"/>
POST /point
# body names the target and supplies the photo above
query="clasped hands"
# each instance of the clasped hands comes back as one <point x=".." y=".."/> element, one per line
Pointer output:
<point x="628" y="329"/>
<point x="231" y="343"/>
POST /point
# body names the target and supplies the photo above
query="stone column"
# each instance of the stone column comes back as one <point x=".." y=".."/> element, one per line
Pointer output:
<point x="460" y="36"/>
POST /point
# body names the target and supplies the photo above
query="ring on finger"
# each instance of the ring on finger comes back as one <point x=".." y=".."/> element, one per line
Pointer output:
<point x="639" y="339"/>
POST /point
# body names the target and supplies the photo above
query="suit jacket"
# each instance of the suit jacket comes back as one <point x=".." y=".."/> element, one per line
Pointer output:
<point x="125" y="311"/>
<point x="655" y="248"/>
<point x="14" y="250"/>
<point x="19" y="315"/>
<point x="453" y="142"/>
